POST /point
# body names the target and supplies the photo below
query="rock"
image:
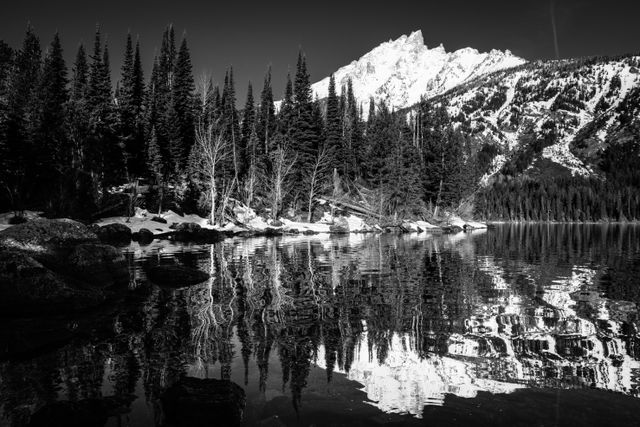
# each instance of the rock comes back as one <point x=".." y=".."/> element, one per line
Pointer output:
<point x="340" y="226"/>
<point x="83" y="413"/>
<point x="411" y="227"/>
<point x="27" y="287"/>
<point x="98" y="265"/>
<point x="46" y="236"/>
<point x="159" y="219"/>
<point x="176" y="275"/>
<point x="186" y="231"/>
<point x="144" y="236"/>
<point x="198" y="402"/>
<point x="17" y="219"/>
<point x="114" y="233"/>
<point x="309" y="232"/>
<point x="192" y="232"/>
<point x="271" y="232"/>
<point x="206" y="235"/>
<point x="276" y="223"/>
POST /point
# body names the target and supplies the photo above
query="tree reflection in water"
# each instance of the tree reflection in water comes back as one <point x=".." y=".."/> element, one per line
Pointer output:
<point x="411" y="318"/>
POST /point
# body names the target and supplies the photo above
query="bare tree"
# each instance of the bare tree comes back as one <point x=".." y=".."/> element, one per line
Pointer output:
<point x="250" y="181"/>
<point x="281" y="164"/>
<point x="317" y="179"/>
<point x="210" y="150"/>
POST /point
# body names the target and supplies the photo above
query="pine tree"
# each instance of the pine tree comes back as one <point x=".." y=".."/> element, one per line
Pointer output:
<point x="103" y="151"/>
<point x="402" y="173"/>
<point x="7" y="58"/>
<point x="78" y="123"/>
<point x="21" y="113"/>
<point x="352" y="134"/>
<point x="334" y="131"/>
<point x="266" y="122"/>
<point x="231" y="127"/>
<point x="378" y="136"/>
<point x="53" y="151"/>
<point x="304" y="136"/>
<point x="159" y="97"/>
<point x="286" y="115"/>
<point x="128" y="110"/>
<point x="182" y="112"/>
<point x="248" y="117"/>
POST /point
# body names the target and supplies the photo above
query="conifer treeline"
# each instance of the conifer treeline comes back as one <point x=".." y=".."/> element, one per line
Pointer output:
<point x="611" y="194"/>
<point x="69" y="138"/>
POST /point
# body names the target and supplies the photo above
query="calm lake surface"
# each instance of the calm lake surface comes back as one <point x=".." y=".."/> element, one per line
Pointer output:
<point x="515" y="325"/>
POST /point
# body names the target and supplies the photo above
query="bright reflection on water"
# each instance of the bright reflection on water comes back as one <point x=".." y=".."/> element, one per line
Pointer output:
<point x="318" y="325"/>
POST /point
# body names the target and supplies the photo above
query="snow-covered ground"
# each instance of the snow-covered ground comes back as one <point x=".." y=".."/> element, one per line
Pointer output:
<point x="248" y="221"/>
<point x="144" y="219"/>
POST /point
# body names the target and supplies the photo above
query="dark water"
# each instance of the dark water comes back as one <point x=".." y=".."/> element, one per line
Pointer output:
<point x="516" y="325"/>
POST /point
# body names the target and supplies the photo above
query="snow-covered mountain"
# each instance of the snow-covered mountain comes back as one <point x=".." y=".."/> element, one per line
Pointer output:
<point x="576" y="107"/>
<point x="403" y="70"/>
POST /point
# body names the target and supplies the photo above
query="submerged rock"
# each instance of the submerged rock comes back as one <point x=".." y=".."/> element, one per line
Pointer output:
<point x="176" y="275"/>
<point x="198" y="402"/>
<point x="28" y="288"/>
<point x="83" y="413"/>
<point x="98" y="265"/>
<point x="114" y="233"/>
<point x="45" y="236"/>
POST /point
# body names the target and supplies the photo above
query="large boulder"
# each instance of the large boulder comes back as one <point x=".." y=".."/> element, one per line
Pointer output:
<point x="27" y="288"/>
<point x="196" y="402"/>
<point x="176" y="275"/>
<point x="114" y="233"/>
<point x="46" y="236"/>
<point x="98" y="265"/>
<point x="192" y="232"/>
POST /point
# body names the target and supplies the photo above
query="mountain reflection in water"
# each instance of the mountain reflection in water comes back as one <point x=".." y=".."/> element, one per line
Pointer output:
<point x="401" y="322"/>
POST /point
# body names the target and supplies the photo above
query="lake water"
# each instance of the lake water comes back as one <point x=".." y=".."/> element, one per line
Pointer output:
<point x="515" y="325"/>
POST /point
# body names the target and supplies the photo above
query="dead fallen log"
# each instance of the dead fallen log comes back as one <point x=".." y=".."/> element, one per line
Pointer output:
<point x="352" y="207"/>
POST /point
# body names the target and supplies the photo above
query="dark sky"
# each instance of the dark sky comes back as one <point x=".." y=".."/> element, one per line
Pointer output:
<point x="252" y="35"/>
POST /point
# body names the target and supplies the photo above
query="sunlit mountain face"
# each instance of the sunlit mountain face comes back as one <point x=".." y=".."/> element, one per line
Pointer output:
<point x="379" y="327"/>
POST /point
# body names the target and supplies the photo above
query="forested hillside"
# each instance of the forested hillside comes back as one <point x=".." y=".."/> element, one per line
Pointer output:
<point x="559" y="140"/>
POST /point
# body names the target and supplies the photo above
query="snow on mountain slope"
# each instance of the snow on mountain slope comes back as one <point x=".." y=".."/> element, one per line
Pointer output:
<point x="570" y="107"/>
<point x="401" y="71"/>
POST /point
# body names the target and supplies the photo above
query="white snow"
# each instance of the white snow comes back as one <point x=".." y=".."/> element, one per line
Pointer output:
<point x="143" y="219"/>
<point x="402" y="71"/>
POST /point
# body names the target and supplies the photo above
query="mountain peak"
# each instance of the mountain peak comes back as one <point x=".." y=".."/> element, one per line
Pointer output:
<point x="416" y="38"/>
<point x="402" y="71"/>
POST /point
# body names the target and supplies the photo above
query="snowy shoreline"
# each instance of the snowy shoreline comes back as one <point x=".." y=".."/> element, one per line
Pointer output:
<point x="248" y="223"/>
<point x="167" y="224"/>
